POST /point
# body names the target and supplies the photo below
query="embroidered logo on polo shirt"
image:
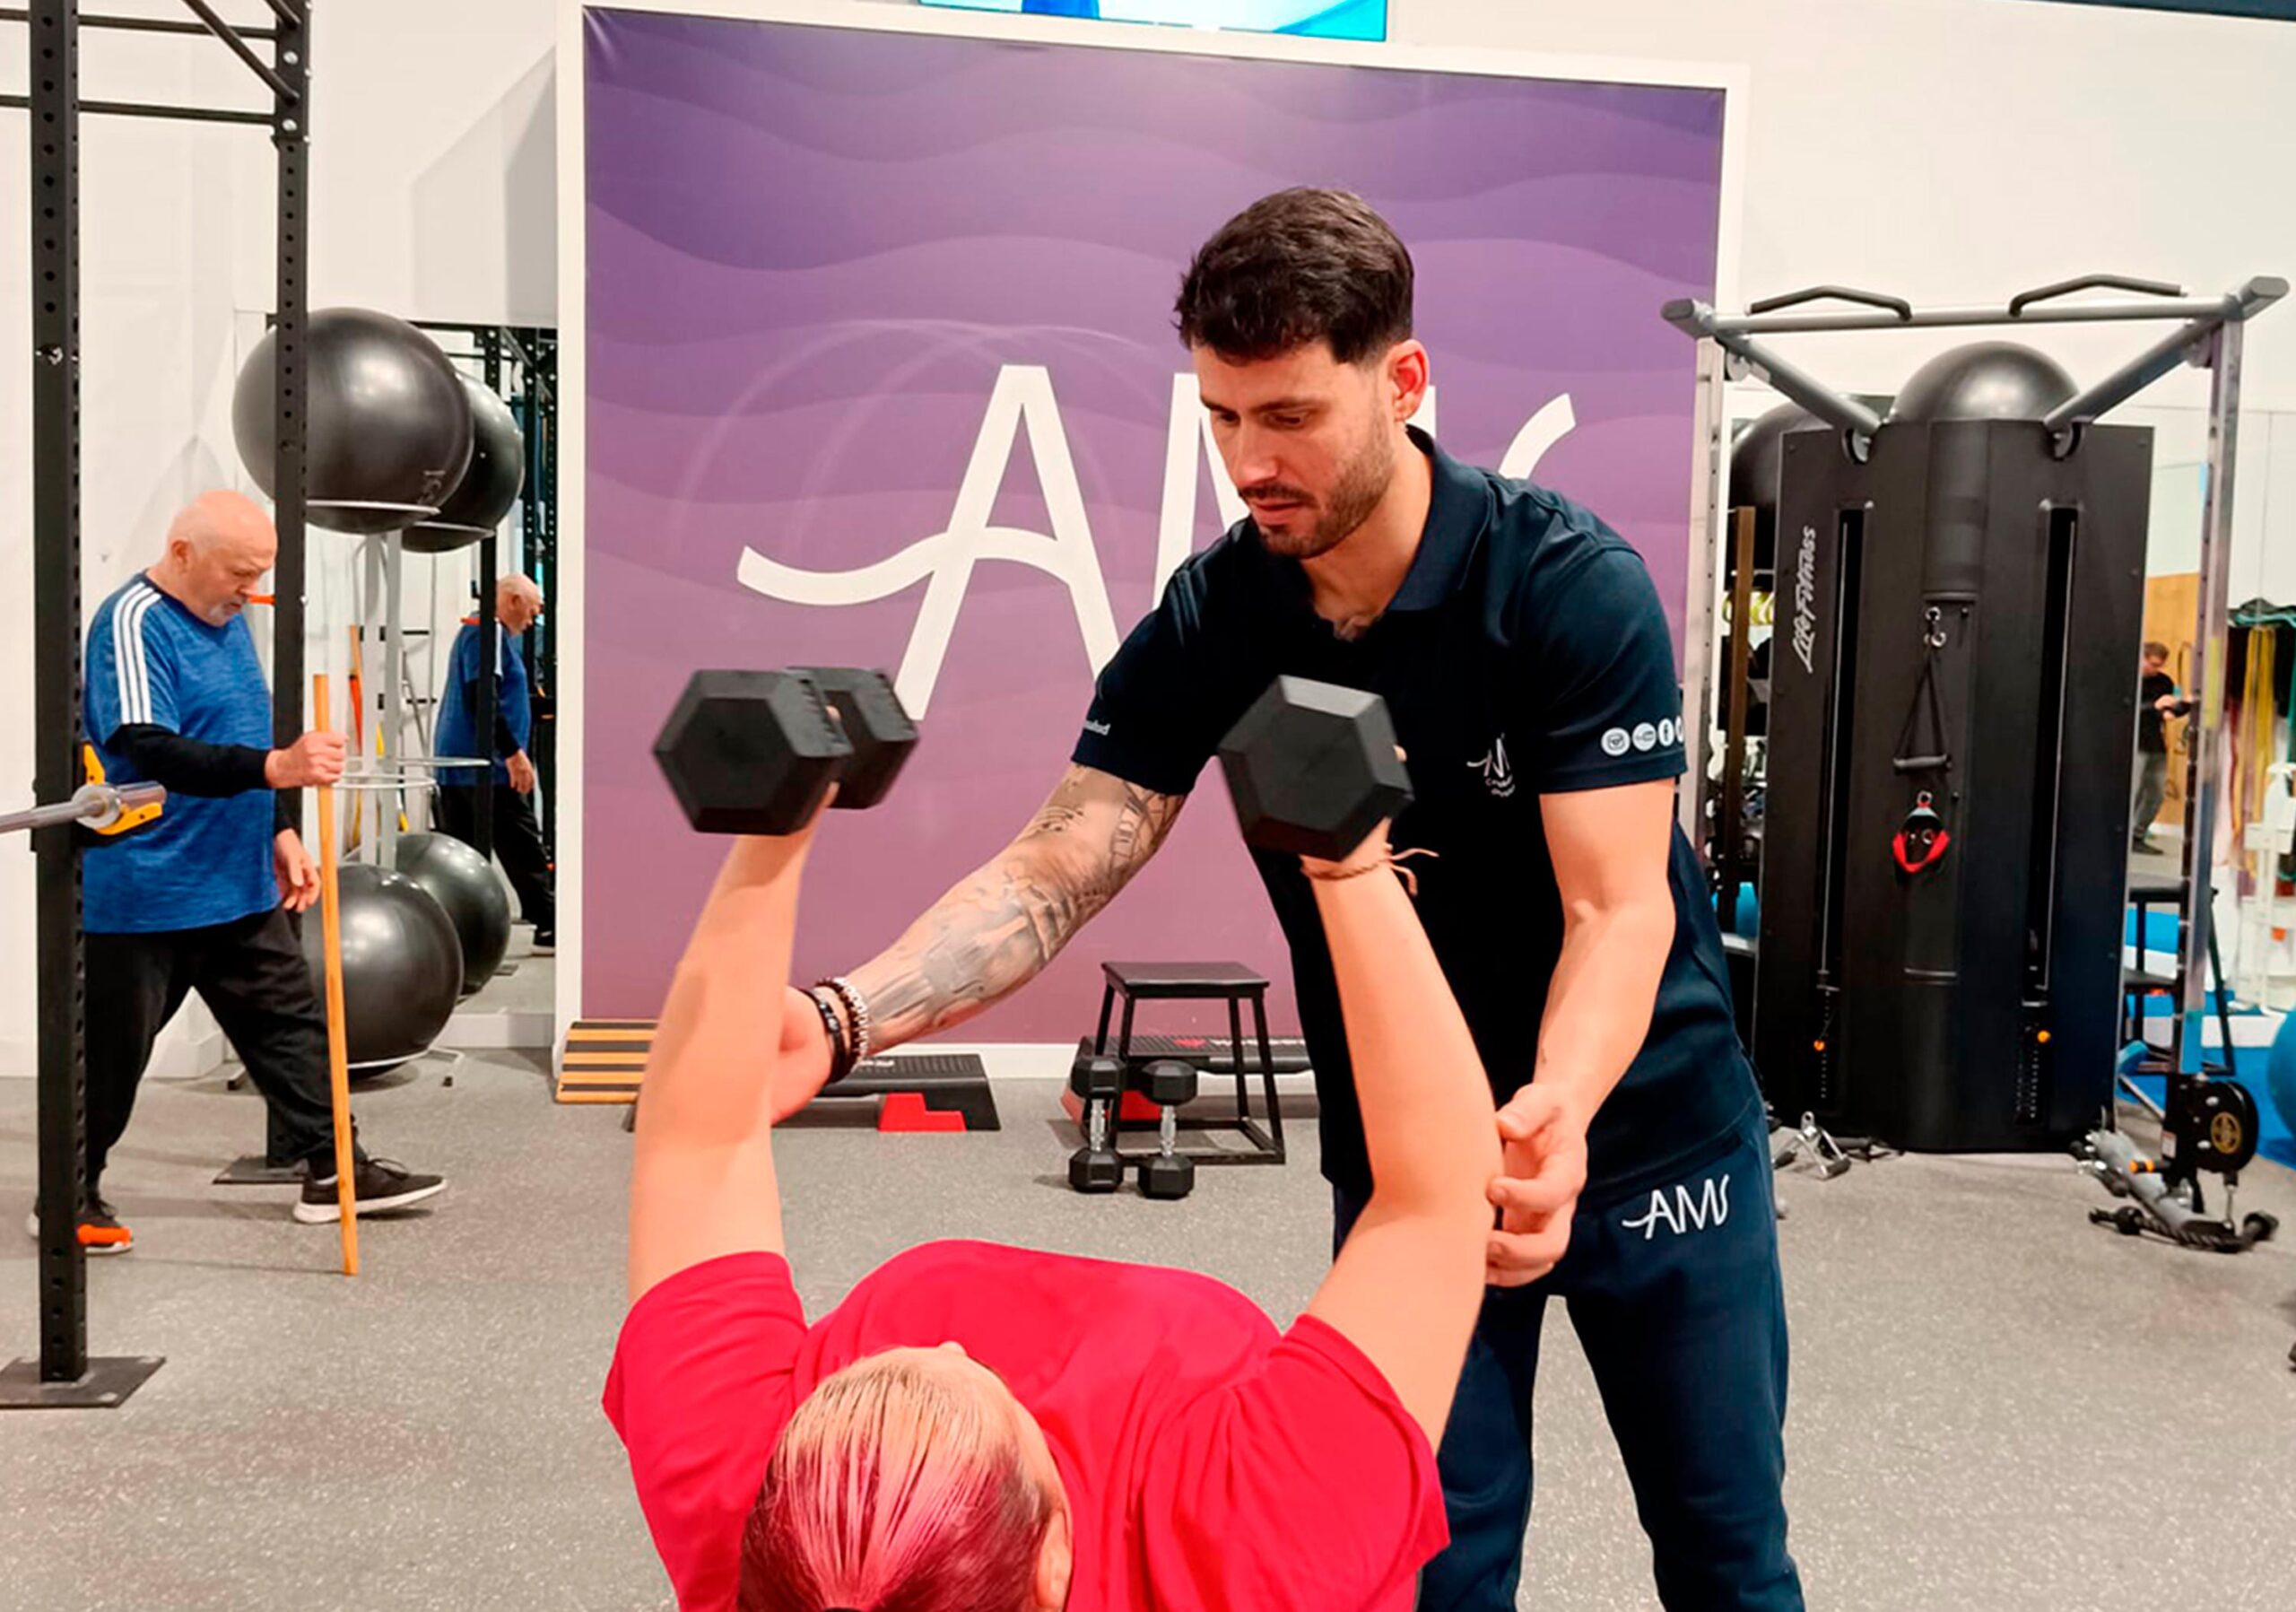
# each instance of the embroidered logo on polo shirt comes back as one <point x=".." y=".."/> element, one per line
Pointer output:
<point x="1615" y="742"/>
<point x="1099" y="727"/>
<point x="1646" y="736"/>
<point x="1498" y="773"/>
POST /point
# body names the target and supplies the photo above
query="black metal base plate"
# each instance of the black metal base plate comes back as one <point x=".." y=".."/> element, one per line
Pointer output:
<point x="253" y="1170"/>
<point x="106" y="1387"/>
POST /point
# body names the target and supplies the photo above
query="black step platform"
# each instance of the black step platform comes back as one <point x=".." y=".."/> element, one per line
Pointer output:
<point x="605" y="1062"/>
<point x="1214" y="1055"/>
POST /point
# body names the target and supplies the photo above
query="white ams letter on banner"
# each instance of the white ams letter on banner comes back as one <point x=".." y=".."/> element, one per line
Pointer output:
<point x="1023" y="396"/>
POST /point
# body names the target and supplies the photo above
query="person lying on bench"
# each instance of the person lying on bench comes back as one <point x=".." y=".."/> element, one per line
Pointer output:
<point x="983" y="1428"/>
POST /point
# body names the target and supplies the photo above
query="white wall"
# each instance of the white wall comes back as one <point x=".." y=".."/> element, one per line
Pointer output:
<point x="434" y="196"/>
<point x="1954" y="150"/>
<point x="1940" y="149"/>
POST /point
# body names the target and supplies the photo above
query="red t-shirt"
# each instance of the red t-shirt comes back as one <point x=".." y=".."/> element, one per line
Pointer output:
<point x="1210" y="1462"/>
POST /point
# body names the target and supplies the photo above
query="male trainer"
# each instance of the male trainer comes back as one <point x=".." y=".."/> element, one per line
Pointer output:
<point x="1520" y="646"/>
<point x="199" y="902"/>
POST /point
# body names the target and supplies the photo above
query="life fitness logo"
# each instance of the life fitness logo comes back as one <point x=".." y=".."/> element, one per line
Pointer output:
<point x="1805" y="598"/>
<point x="1022" y="399"/>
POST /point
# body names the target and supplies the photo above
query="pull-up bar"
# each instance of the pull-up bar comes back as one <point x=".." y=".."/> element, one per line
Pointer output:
<point x="235" y="40"/>
<point x="136" y="109"/>
<point x="2203" y="317"/>
<point x="17" y="14"/>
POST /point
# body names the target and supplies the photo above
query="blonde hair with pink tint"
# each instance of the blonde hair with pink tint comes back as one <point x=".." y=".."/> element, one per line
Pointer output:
<point x="895" y="1489"/>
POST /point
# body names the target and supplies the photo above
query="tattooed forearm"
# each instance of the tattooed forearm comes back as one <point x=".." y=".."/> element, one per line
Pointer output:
<point x="1113" y="826"/>
<point x="999" y="928"/>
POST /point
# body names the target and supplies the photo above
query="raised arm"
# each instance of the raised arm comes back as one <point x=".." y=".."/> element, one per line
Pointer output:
<point x="701" y="1182"/>
<point x="997" y="928"/>
<point x="1407" y="1284"/>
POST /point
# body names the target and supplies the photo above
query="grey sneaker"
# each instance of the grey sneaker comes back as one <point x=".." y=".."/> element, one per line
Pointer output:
<point x="378" y="1185"/>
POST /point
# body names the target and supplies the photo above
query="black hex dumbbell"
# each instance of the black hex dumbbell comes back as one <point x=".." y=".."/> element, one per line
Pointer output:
<point x="1313" y="768"/>
<point x="1169" y="1083"/>
<point x="875" y="725"/>
<point x="753" y="753"/>
<point x="1098" y="1084"/>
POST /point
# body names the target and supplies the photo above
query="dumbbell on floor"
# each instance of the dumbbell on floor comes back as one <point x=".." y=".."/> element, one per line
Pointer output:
<point x="755" y="752"/>
<point x="1313" y="768"/>
<point x="1169" y="1083"/>
<point x="1099" y="1085"/>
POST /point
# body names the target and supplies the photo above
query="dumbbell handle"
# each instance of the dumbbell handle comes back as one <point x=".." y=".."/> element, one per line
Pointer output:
<point x="1168" y="1130"/>
<point x="1096" y="1117"/>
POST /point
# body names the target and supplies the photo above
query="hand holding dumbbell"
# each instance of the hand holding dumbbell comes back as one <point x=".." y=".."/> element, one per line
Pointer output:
<point x="757" y="753"/>
<point x="1315" y="770"/>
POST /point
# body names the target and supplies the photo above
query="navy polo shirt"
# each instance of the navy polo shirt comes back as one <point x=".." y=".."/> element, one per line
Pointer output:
<point x="1524" y="654"/>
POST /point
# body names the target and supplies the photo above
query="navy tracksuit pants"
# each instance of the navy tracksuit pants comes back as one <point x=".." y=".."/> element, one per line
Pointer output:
<point x="1676" y="1295"/>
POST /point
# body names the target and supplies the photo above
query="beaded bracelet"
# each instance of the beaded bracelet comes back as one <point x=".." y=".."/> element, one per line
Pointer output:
<point x="856" y="1013"/>
<point x="840" y="1055"/>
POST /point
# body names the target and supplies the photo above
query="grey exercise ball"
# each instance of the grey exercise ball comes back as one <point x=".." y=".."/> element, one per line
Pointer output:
<point x="1759" y="454"/>
<point x="497" y="473"/>
<point x="402" y="966"/>
<point x="387" y="428"/>
<point x="1985" y="381"/>
<point x="463" y="884"/>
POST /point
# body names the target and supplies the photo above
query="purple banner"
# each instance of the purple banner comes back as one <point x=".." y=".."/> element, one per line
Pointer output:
<point x="881" y="372"/>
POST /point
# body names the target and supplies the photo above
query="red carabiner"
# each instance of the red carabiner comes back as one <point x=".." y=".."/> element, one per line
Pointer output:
<point x="1907" y="865"/>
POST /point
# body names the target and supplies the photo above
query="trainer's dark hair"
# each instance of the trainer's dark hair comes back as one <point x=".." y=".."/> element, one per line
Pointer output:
<point x="1296" y="267"/>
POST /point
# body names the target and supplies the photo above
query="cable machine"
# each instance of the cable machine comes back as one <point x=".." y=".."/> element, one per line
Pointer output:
<point x="1954" y="985"/>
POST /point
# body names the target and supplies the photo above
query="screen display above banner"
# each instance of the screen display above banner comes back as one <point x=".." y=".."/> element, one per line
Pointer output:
<point x="1315" y="19"/>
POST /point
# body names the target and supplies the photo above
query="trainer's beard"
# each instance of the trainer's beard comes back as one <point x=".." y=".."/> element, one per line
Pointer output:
<point x="1361" y="485"/>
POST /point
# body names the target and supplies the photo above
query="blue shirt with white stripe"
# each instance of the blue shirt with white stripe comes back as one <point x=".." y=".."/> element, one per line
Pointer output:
<point x="458" y="733"/>
<point x="207" y="860"/>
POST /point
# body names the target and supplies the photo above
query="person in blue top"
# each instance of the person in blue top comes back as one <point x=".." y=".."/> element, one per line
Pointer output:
<point x="517" y="836"/>
<point x="200" y="900"/>
<point x="1521" y="648"/>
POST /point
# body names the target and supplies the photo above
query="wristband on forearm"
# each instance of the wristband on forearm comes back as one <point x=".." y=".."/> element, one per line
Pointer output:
<point x="1392" y="860"/>
<point x="857" y="1013"/>
<point x="840" y="1055"/>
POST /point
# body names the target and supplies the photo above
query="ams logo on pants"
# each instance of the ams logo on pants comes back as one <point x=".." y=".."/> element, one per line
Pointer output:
<point x="1679" y="1208"/>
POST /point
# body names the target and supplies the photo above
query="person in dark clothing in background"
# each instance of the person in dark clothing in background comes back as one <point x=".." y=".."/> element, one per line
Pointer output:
<point x="517" y="834"/>
<point x="2159" y="698"/>
<point x="200" y="900"/>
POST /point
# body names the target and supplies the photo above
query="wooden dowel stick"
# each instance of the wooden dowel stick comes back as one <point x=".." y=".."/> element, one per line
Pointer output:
<point x="338" y="1066"/>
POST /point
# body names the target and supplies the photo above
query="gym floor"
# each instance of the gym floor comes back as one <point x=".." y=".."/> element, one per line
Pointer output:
<point x="1995" y="1405"/>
